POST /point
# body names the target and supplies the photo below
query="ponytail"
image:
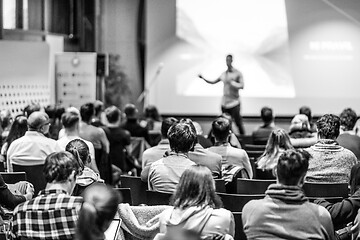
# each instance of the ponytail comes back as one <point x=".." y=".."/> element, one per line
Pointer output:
<point x="73" y="150"/>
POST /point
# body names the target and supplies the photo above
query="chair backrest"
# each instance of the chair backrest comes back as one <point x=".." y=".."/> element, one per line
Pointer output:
<point x="254" y="154"/>
<point x="329" y="199"/>
<point x="239" y="229"/>
<point x="313" y="189"/>
<point x="253" y="186"/>
<point x="126" y="195"/>
<point x="138" y="188"/>
<point x="220" y="185"/>
<point x="255" y="147"/>
<point x="157" y="198"/>
<point x="34" y="175"/>
<point x="236" y="202"/>
<point x="246" y="139"/>
<point x="13" y="177"/>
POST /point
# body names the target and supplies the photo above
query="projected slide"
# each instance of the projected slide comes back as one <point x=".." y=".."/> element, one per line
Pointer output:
<point x="216" y="28"/>
<point x="289" y="54"/>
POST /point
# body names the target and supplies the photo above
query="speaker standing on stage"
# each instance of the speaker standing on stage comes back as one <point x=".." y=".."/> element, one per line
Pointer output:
<point x="233" y="81"/>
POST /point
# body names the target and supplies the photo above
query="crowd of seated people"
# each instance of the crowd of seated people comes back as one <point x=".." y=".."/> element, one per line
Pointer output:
<point x="93" y="143"/>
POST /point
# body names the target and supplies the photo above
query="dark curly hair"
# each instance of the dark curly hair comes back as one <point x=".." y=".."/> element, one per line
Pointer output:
<point x="292" y="166"/>
<point x="328" y="126"/>
<point x="59" y="166"/>
<point x="348" y="119"/>
<point x="181" y="137"/>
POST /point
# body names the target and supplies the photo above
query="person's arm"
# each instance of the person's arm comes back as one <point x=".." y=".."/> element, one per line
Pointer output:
<point x="238" y="82"/>
<point x="341" y="212"/>
<point x="145" y="173"/>
<point x="210" y="82"/>
<point x="93" y="165"/>
<point x="10" y="200"/>
<point x="247" y="165"/>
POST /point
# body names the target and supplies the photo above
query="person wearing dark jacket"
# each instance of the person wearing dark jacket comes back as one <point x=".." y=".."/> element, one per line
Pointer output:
<point x="345" y="211"/>
<point x="10" y="200"/>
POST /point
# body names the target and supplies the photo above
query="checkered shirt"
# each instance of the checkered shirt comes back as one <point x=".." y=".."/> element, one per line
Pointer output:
<point x="51" y="215"/>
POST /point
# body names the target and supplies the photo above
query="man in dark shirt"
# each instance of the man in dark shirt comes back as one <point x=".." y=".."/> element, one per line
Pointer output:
<point x="347" y="138"/>
<point x="132" y="125"/>
<point x="261" y="135"/>
<point x="118" y="138"/>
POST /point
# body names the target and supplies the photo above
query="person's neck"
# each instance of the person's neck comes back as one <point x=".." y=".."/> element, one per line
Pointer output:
<point x="71" y="132"/>
<point x="270" y="124"/>
<point x="221" y="142"/>
<point x="58" y="186"/>
<point x="230" y="69"/>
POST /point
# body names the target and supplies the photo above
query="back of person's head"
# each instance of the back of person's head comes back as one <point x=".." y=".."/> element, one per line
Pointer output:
<point x="29" y="109"/>
<point x="328" y="126"/>
<point x="181" y="138"/>
<point x="354" y="178"/>
<point x="113" y="114"/>
<point x="152" y="113"/>
<point x="306" y="111"/>
<point x="166" y="124"/>
<point x="196" y="188"/>
<point x="300" y="122"/>
<point x="87" y="112"/>
<point x="221" y="128"/>
<point x="348" y="119"/>
<point x="130" y="111"/>
<point x="18" y="129"/>
<point x="267" y="115"/>
<point x="98" y="107"/>
<point x="278" y="139"/>
<point x="73" y="110"/>
<point x="59" y="166"/>
<point x="37" y="120"/>
<point x="69" y="120"/>
<point x="292" y="167"/>
<point x="59" y="111"/>
<point x="97" y="211"/>
<point x="80" y="150"/>
<point x="50" y="111"/>
<point x="5" y="118"/>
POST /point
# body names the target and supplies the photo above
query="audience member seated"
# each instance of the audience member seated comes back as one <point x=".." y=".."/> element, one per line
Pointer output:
<point x="71" y="122"/>
<point x="344" y="212"/>
<point x="197" y="208"/>
<point x="285" y="212"/>
<point x="307" y="111"/>
<point x="54" y="114"/>
<point x="230" y="156"/>
<point x="80" y="150"/>
<point x="300" y="127"/>
<point x="17" y="130"/>
<point x="261" y="135"/>
<point x="6" y="121"/>
<point x="202" y="156"/>
<point x="32" y="148"/>
<point x="97" y="118"/>
<point x="97" y="211"/>
<point x="300" y="134"/>
<point x="118" y="138"/>
<point x="347" y="138"/>
<point x="278" y="142"/>
<point x="153" y="154"/>
<point x="10" y="200"/>
<point x="29" y="109"/>
<point x="330" y="162"/>
<point x="53" y="213"/>
<point x="233" y="140"/>
<point x="164" y="174"/>
<point x="152" y="120"/>
<point x="98" y="138"/>
<point x="132" y="125"/>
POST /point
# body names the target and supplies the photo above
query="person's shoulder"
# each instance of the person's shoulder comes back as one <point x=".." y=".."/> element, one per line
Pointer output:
<point x="222" y="212"/>
<point x="252" y="206"/>
<point x="320" y="211"/>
